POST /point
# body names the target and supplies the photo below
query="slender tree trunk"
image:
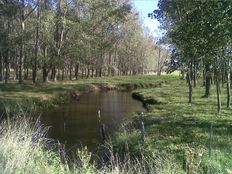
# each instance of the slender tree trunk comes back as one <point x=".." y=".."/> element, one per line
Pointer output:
<point x="45" y="68"/>
<point x="190" y="85"/>
<point x="88" y="72"/>
<point x="228" y="84"/>
<point x="85" y="72"/>
<point x="92" y="73"/>
<point x="204" y="79"/>
<point x="218" y="94"/>
<point x="34" y="69"/>
<point x="109" y="64"/>
<point x="158" y="63"/>
<point x="230" y="77"/>
<point x="58" y="74"/>
<point x="62" y="74"/>
<point x="82" y="73"/>
<point x="1" y="68"/>
<point x="70" y="72"/>
<point x="100" y="72"/>
<point x="26" y="73"/>
<point x="7" y="67"/>
<point x="76" y="71"/>
<point x="96" y="72"/>
<point x="7" y="70"/>
<point x="22" y="46"/>
<point x="16" y="67"/>
<point x="53" y="75"/>
<point x="207" y="80"/>
<point x="194" y="75"/>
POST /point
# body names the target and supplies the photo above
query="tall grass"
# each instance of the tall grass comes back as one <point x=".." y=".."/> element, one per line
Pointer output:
<point x="24" y="148"/>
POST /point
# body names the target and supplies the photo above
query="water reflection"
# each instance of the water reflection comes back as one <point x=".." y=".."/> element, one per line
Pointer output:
<point x="78" y="124"/>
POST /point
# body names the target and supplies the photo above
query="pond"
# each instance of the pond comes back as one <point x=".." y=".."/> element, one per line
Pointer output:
<point x="77" y="124"/>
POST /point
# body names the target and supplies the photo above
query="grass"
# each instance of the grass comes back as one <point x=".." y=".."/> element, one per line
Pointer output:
<point x="22" y="149"/>
<point x="54" y="93"/>
<point x="25" y="149"/>
<point x="177" y="138"/>
<point x="178" y="127"/>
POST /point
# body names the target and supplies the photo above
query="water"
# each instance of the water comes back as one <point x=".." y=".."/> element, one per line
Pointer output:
<point x="77" y="124"/>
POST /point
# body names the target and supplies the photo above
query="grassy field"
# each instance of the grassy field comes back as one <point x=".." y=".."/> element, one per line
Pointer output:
<point x="179" y="137"/>
<point x="175" y="126"/>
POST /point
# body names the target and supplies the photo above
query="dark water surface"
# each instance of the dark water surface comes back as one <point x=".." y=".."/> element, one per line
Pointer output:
<point x="77" y="124"/>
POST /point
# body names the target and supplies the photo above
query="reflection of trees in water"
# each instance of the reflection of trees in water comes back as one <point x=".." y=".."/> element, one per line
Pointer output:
<point x="78" y="121"/>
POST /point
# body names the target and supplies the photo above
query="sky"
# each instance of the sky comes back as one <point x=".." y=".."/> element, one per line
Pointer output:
<point x="144" y="7"/>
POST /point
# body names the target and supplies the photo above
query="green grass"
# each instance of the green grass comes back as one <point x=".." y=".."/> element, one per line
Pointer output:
<point x="177" y="126"/>
<point x="53" y="93"/>
<point x="177" y="133"/>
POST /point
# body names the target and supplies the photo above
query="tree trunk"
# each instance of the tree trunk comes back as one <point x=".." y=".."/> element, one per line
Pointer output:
<point x="70" y="72"/>
<point x="7" y="70"/>
<point x="76" y="71"/>
<point x="22" y="46"/>
<point x="228" y="84"/>
<point x="88" y="72"/>
<point x="85" y="72"/>
<point x="100" y="72"/>
<point x="218" y="94"/>
<point x="45" y="68"/>
<point x="34" y="69"/>
<point x="92" y="73"/>
<point x="62" y="74"/>
<point x="230" y="78"/>
<point x="45" y="74"/>
<point x="26" y="73"/>
<point x="96" y="72"/>
<point x="190" y="86"/>
<point x="158" y="63"/>
<point x="1" y="68"/>
<point x="82" y="73"/>
<point x="207" y="80"/>
<point x="16" y="69"/>
<point x="194" y="75"/>
<point x="53" y="75"/>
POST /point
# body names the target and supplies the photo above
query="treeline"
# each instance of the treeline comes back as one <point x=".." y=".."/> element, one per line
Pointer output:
<point x="200" y="34"/>
<point x="71" y="39"/>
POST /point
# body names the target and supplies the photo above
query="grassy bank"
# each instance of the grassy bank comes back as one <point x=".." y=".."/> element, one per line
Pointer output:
<point x="199" y="139"/>
<point x="52" y="94"/>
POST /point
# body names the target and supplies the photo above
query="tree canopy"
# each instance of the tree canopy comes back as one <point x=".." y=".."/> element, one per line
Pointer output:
<point x="200" y="36"/>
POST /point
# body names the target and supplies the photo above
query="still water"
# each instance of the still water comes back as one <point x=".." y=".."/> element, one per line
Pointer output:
<point x="77" y="124"/>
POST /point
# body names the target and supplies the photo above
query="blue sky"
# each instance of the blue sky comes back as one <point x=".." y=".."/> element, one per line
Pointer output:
<point x="144" y="7"/>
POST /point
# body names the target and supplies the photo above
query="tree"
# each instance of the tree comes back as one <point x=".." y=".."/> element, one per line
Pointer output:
<point x="199" y="32"/>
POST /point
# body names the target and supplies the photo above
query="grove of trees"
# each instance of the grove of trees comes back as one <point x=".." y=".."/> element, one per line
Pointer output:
<point x="70" y="39"/>
<point x="200" y="37"/>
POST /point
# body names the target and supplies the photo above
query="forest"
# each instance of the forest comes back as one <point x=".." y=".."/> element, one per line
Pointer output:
<point x="48" y="40"/>
<point x="200" y="36"/>
<point x="86" y="87"/>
